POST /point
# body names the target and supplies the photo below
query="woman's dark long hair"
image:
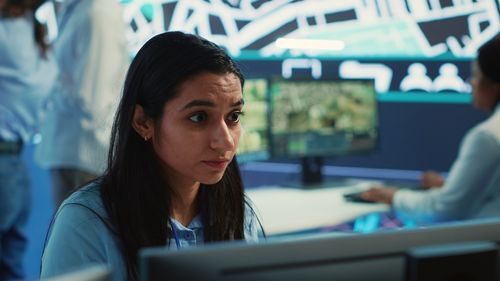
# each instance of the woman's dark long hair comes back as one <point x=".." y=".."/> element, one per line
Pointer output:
<point x="17" y="8"/>
<point x="133" y="190"/>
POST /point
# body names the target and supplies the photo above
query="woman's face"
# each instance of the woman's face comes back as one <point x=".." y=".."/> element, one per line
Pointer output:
<point x="485" y="93"/>
<point x="200" y="129"/>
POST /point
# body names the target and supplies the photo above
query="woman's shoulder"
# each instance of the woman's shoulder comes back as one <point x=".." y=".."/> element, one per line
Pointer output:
<point x="252" y="225"/>
<point x="86" y="203"/>
<point x="487" y="131"/>
<point x="81" y="235"/>
<point x="89" y="195"/>
<point x="492" y="124"/>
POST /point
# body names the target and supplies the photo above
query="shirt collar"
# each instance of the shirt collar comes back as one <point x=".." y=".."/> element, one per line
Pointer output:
<point x="196" y="223"/>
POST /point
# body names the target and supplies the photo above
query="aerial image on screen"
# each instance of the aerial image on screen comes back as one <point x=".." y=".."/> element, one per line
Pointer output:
<point x="254" y="143"/>
<point x="322" y="118"/>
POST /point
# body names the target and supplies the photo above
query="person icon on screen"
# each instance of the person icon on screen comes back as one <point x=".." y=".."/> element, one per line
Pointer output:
<point x="417" y="79"/>
<point x="448" y="79"/>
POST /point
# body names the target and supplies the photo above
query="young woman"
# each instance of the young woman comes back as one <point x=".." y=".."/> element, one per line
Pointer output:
<point x="172" y="177"/>
<point x="472" y="189"/>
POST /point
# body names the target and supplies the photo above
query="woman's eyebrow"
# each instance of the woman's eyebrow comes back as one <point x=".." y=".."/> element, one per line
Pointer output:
<point x="195" y="103"/>
<point x="238" y="103"/>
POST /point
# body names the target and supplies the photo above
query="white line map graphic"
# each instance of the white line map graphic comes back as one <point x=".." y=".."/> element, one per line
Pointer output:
<point x="368" y="27"/>
<point x="372" y="29"/>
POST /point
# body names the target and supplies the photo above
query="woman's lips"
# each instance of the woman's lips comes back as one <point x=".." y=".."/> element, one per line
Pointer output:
<point x="218" y="164"/>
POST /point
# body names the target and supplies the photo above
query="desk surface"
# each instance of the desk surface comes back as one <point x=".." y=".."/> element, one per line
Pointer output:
<point x="284" y="210"/>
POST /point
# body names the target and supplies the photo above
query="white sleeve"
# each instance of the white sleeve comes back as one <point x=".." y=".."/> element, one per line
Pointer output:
<point x="105" y="68"/>
<point x="462" y="192"/>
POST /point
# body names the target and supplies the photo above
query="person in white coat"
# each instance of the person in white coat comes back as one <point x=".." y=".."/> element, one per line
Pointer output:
<point x="91" y="52"/>
<point x="472" y="188"/>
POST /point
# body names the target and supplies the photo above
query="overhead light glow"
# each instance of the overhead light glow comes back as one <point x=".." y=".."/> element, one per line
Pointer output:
<point x="310" y="44"/>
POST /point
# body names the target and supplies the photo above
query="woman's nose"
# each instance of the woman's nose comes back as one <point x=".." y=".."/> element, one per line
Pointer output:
<point x="222" y="137"/>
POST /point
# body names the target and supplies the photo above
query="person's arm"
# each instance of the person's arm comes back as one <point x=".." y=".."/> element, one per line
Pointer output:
<point x="385" y="194"/>
<point x="382" y="194"/>
<point x="468" y="178"/>
<point x="431" y="179"/>
<point x="76" y="240"/>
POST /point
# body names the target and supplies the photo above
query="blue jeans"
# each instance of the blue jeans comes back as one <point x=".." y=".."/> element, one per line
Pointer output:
<point x="15" y="205"/>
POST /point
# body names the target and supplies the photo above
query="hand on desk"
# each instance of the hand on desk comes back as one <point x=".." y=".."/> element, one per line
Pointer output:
<point x="431" y="179"/>
<point x="379" y="194"/>
<point x="385" y="194"/>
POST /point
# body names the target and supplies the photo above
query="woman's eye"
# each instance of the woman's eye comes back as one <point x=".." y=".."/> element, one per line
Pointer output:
<point x="235" y="116"/>
<point x="198" y="117"/>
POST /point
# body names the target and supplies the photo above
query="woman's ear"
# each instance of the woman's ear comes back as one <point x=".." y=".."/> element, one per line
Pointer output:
<point x="142" y="124"/>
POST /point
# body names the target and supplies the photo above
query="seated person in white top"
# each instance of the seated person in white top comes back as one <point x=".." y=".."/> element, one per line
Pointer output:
<point x="472" y="189"/>
<point x="172" y="178"/>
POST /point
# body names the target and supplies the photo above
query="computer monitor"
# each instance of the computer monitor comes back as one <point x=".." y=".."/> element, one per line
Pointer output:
<point x="254" y="144"/>
<point x="312" y="119"/>
<point x="376" y="256"/>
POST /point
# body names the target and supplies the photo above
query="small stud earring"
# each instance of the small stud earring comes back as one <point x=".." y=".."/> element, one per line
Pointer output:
<point x="146" y="138"/>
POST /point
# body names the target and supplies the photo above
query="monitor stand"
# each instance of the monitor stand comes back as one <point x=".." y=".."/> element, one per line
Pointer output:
<point x="311" y="170"/>
<point x="312" y="176"/>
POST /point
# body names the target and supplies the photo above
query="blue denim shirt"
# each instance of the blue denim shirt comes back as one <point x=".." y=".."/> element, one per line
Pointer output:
<point x="81" y="236"/>
<point x="26" y="79"/>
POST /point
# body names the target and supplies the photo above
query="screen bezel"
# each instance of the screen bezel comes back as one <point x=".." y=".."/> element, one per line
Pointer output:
<point x="326" y="256"/>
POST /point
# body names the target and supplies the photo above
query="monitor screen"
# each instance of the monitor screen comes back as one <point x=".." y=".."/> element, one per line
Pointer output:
<point x="322" y="117"/>
<point x="312" y="119"/>
<point x="376" y="256"/>
<point x="254" y="144"/>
